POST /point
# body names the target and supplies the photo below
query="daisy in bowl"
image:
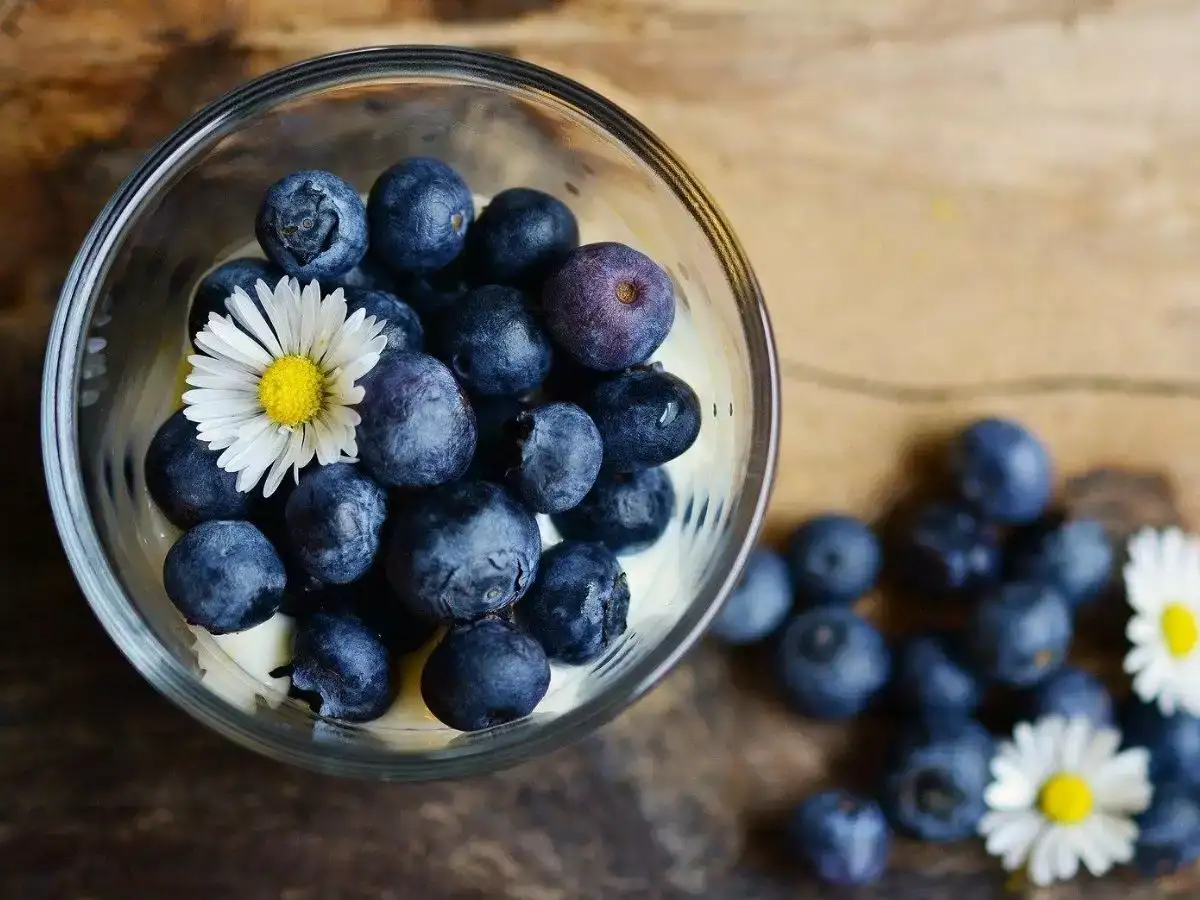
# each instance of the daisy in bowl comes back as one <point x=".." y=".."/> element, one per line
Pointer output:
<point x="1063" y="794"/>
<point x="1162" y="585"/>
<point x="273" y="391"/>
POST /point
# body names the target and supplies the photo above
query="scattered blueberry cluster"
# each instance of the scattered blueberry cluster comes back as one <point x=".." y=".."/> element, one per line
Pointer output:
<point x="1009" y="573"/>
<point x="515" y="382"/>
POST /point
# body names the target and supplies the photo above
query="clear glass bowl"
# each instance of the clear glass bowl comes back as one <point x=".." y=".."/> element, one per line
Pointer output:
<point x="118" y="341"/>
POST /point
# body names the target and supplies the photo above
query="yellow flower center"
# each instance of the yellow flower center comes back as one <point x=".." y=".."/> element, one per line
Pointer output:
<point x="291" y="390"/>
<point x="1065" y="799"/>
<point x="1179" y="629"/>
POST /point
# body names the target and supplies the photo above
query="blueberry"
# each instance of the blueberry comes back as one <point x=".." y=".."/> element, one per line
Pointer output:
<point x="521" y="237"/>
<point x="1173" y="742"/>
<point x="493" y="342"/>
<point x="1003" y="471"/>
<point x="1169" y="831"/>
<point x="553" y="453"/>
<point x="844" y="839"/>
<point x="935" y="788"/>
<point x="578" y="604"/>
<point x="224" y="576"/>
<point x="313" y="225"/>
<point x="403" y="329"/>
<point x="371" y="599"/>
<point x="1020" y="633"/>
<point x="462" y="551"/>
<point x="831" y="662"/>
<point x="949" y="549"/>
<point x="626" y="512"/>
<point x="369" y="275"/>
<point x="1072" y="693"/>
<point x="417" y="427"/>
<point x="485" y="674"/>
<point x="609" y="306"/>
<point x="1075" y="556"/>
<point x="646" y="417"/>
<point x="759" y="603"/>
<point x="492" y="416"/>
<point x="344" y="665"/>
<point x="333" y="522"/>
<point x="184" y="480"/>
<point x="933" y="680"/>
<point x="434" y="292"/>
<point x="420" y="210"/>
<point x="218" y="286"/>
<point x="834" y="559"/>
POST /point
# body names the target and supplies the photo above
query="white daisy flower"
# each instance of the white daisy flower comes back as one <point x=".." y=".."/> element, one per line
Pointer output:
<point x="1062" y="794"/>
<point x="1162" y="585"/>
<point x="274" y="392"/>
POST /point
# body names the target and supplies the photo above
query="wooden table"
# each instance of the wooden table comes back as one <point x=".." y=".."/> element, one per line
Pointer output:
<point x="989" y="205"/>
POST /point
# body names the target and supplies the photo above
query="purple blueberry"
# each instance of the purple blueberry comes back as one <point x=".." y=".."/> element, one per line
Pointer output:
<point x="333" y="522"/>
<point x="578" y="604"/>
<point x="834" y="559"/>
<point x="493" y="342"/>
<point x="1003" y="471"/>
<point x="646" y="417"/>
<point x="1169" y="831"/>
<point x="1075" y="556"/>
<point x="420" y="210"/>
<point x="933" y="680"/>
<point x="949" y="549"/>
<point x="844" y="839"/>
<point x="485" y="674"/>
<point x="417" y="427"/>
<point x="492" y="417"/>
<point x="1173" y="742"/>
<point x="313" y="225"/>
<point x="626" y="511"/>
<point x="553" y="454"/>
<point x="935" y="788"/>
<point x="758" y="605"/>
<point x="462" y="550"/>
<point x="1072" y="693"/>
<point x="218" y="286"/>
<point x="224" y="576"/>
<point x="1020" y="633"/>
<point x="831" y="662"/>
<point x="609" y="306"/>
<point x="521" y="237"/>
<point x="402" y="324"/>
<point x="342" y="666"/>
<point x="184" y="480"/>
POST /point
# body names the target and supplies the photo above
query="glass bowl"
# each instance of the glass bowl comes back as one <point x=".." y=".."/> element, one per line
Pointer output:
<point x="118" y="342"/>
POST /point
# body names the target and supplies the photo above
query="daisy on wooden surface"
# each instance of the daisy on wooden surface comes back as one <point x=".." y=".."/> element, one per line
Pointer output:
<point x="1063" y="793"/>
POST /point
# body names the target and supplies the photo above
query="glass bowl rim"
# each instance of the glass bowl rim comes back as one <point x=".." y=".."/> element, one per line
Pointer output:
<point x="60" y="390"/>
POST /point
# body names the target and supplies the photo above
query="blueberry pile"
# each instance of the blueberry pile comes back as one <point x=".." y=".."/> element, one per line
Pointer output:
<point x="1002" y="574"/>
<point x="516" y="383"/>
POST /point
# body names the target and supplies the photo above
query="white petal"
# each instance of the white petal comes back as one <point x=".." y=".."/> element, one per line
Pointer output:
<point x="243" y="380"/>
<point x="1010" y="834"/>
<point x="1122" y="785"/>
<point x="1075" y="739"/>
<point x="326" y="444"/>
<point x="1042" y="857"/>
<point x="1115" y="837"/>
<point x="1089" y="848"/>
<point x="248" y="316"/>
<point x="259" y="464"/>
<point x="279" y="305"/>
<point x="284" y="462"/>
<point x="1143" y="630"/>
<point x="1138" y="658"/>
<point x="1066" y="863"/>
<point x="238" y="344"/>
<point x="1012" y="791"/>
<point x="310" y="311"/>
<point x="252" y="440"/>
<point x="1104" y="744"/>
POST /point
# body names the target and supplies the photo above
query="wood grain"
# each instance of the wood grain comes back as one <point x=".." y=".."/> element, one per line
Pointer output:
<point x="954" y="208"/>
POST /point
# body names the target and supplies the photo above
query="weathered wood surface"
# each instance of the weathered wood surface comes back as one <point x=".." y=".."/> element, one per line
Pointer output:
<point x="990" y="205"/>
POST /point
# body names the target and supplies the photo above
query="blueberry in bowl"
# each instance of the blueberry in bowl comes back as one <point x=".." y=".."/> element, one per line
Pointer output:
<point x="312" y="224"/>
